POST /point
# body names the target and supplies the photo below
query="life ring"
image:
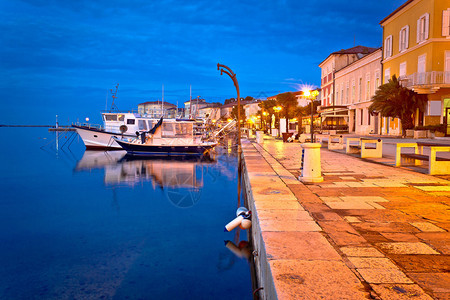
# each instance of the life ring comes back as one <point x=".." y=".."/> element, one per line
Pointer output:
<point x="123" y="128"/>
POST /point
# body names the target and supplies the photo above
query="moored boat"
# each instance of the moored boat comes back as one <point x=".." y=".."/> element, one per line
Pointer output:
<point x="167" y="139"/>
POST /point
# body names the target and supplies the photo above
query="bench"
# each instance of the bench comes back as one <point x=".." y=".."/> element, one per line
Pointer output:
<point x="335" y="142"/>
<point x="303" y="138"/>
<point x="366" y="146"/>
<point x="436" y="165"/>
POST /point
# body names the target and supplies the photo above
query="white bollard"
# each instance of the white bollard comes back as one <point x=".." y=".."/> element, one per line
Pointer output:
<point x="260" y="137"/>
<point x="312" y="170"/>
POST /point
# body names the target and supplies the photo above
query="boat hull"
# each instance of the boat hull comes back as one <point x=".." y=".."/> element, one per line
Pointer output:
<point x="165" y="150"/>
<point x="95" y="139"/>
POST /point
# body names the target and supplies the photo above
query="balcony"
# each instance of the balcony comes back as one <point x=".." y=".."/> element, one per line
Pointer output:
<point x="426" y="82"/>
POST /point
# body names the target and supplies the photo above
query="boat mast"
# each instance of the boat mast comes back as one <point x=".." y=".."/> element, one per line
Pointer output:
<point x="162" y="103"/>
<point x="190" y="101"/>
<point x="114" y="97"/>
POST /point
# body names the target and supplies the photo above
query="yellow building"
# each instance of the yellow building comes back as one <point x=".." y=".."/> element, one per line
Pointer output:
<point x="416" y="48"/>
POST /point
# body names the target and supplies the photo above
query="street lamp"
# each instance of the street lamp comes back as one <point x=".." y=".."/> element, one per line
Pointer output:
<point x="277" y="109"/>
<point x="265" y="114"/>
<point x="229" y="72"/>
<point x="311" y="95"/>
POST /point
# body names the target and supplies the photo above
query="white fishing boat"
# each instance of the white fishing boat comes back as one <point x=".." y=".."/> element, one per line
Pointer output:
<point x="114" y="124"/>
<point x="118" y="124"/>
<point x="167" y="138"/>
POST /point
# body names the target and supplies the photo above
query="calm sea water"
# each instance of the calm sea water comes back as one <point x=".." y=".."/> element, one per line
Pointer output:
<point x="93" y="225"/>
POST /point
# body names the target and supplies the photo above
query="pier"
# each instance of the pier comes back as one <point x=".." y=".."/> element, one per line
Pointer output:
<point x="368" y="231"/>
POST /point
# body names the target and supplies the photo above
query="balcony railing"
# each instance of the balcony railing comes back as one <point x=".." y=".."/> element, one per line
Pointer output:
<point x="433" y="78"/>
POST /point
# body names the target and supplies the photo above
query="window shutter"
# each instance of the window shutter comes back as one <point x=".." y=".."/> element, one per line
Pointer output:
<point x="407" y="37"/>
<point x="390" y="45"/>
<point x="418" y="31"/>
<point x="446" y="22"/>
<point x="400" y="41"/>
<point x="427" y="25"/>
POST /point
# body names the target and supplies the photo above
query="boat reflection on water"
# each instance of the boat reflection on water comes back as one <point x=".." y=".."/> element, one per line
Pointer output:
<point x="181" y="178"/>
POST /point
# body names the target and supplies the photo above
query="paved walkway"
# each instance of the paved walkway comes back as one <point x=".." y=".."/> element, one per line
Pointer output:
<point x="367" y="231"/>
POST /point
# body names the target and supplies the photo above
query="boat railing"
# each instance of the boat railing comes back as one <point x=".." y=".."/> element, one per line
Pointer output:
<point x="88" y="125"/>
<point x="132" y="111"/>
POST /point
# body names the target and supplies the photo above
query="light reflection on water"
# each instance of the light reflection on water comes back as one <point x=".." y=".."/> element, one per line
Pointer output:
<point x="80" y="225"/>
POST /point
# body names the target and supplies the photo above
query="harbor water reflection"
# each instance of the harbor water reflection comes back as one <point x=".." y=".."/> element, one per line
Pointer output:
<point x="89" y="225"/>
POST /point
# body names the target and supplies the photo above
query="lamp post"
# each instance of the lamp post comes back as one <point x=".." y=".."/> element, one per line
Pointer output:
<point x="277" y="109"/>
<point x="265" y="114"/>
<point x="311" y="95"/>
<point x="229" y="72"/>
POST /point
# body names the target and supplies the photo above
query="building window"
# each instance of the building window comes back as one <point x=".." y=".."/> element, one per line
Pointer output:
<point x="368" y="88"/>
<point x="446" y="22"/>
<point x="402" y="74"/>
<point x="360" y="89"/>
<point x="353" y="92"/>
<point x="422" y="27"/>
<point x="388" y="47"/>
<point x="362" y="117"/>
<point x="404" y="38"/>
<point x="342" y="94"/>
<point x="368" y="117"/>
<point x="348" y="92"/>
<point x="434" y="108"/>
<point x="387" y="75"/>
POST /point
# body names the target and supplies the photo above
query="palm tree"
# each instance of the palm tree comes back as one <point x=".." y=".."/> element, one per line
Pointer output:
<point x="289" y="102"/>
<point x="395" y="101"/>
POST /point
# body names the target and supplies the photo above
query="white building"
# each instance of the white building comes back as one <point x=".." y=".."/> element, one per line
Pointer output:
<point x="355" y="86"/>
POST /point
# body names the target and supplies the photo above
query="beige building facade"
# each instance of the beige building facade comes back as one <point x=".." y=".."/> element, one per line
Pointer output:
<point x="355" y="86"/>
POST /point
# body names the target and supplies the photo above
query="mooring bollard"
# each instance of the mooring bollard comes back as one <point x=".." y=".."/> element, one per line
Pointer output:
<point x="311" y="170"/>
<point x="243" y="220"/>
<point x="260" y="137"/>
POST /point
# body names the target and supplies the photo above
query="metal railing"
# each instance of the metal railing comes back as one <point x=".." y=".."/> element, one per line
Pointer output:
<point x="433" y="78"/>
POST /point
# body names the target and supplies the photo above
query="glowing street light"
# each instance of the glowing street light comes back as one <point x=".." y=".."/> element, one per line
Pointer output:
<point x="277" y="109"/>
<point x="311" y="95"/>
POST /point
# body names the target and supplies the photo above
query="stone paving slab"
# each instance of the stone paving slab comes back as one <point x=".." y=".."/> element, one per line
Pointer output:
<point x="400" y="292"/>
<point x="299" y="245"/>
<point x="299" y="279"/>
<point x="389" y="225"/>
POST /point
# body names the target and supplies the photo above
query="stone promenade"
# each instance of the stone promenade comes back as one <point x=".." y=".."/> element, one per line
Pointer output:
<point x="368" y="231"/>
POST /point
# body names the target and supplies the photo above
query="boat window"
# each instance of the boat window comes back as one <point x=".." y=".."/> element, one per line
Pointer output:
<point x="110" y="117"/>
<point x="130" y="121"/>
<point x="184" y="130"/>
<point x="142" y="125"/>
<point x="150" y="124"/>
<point x="167" y="130"/>
<point x="121" y="117"/>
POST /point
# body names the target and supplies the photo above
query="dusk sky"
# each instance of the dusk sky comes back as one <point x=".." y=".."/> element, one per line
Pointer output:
<point x="62" y="57"/>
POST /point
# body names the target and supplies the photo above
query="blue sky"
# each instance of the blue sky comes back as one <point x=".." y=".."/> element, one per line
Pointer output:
<point x="62" y="57"/>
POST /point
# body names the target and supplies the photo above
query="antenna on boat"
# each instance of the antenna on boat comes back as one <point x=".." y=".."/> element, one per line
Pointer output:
<point x="162" y="103"/>
<point x="114" y="97"/>
<point x="190" y="101"/>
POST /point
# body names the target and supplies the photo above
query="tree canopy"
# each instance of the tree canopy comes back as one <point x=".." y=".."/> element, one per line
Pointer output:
<point x="288" y="101"/>
<point x="234" y="112"/>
